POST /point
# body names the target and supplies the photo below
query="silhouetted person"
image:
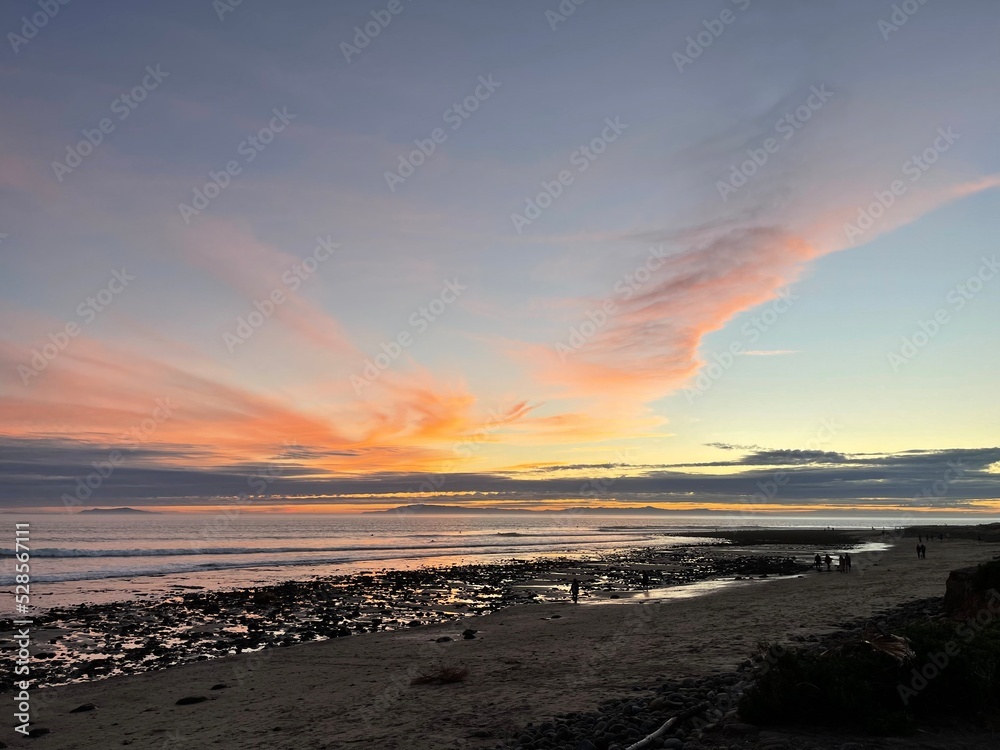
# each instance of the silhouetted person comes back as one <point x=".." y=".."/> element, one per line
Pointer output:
<point x="920" y="550"/>
<point x="829" y="561"/>
<point x="645" y="579"/>
<point x="818" y="562"/>
<point x="574" y="590"/>
<point x="847" y="559"/>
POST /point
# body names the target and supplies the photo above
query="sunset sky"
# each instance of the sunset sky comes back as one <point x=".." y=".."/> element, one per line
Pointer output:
<point x="501" y="254"/>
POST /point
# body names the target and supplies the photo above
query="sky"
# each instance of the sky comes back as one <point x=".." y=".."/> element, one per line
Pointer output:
<point x="342" y="256"/>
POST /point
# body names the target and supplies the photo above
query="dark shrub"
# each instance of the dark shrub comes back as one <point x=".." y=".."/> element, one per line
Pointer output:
<point x="955" y="673"/>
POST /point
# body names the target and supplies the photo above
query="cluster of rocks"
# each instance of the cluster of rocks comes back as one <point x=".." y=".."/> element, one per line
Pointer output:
<point x="93" y="641"/>
<point x="695" y="563"/>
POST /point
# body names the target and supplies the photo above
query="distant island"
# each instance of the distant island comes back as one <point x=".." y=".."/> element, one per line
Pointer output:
<point x="118" y="510"/>
<point x="646" y="510"/>
<point x="424" y="509"/>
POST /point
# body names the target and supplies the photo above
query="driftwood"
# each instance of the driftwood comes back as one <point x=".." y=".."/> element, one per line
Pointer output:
<point x="895" y="646"/>
<point x="647" y="741"/>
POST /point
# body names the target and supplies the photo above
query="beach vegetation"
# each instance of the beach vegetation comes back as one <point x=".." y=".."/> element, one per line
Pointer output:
<point x="934" y="669"/>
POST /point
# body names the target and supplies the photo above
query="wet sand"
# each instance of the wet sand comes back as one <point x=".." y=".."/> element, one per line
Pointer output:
<point x="525" y="664"/>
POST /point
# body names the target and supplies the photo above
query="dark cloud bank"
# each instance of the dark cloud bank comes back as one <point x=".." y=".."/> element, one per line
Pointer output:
<point x="40" y="472"/>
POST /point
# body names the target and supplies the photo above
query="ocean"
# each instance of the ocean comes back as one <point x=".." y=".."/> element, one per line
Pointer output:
<point x="100" y="558"/>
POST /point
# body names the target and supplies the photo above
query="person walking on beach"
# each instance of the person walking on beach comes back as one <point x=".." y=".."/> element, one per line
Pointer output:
<point x="574" y="590"/>
<point x="829" y="561"/>
<point x="818" y="562"/>
<point x="847" y="559"/>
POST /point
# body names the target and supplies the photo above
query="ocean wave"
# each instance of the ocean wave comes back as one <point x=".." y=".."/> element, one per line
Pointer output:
<point x="179" y="567"/>
<point x="173" y="551"/>
<point x="463" y="543"/>
<point x="98" y="575"/>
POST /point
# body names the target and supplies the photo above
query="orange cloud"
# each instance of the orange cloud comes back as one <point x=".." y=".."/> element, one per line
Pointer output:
<point x="641" y="343"/>
<point x="231" y="254"/>
<point x="101" y="393"/>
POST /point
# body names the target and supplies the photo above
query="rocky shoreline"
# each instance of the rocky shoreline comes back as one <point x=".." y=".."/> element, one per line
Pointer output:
<point x="95" y="641"/>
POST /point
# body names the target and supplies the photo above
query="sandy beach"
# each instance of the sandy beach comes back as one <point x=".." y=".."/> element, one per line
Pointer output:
<point x="525" y="664"/>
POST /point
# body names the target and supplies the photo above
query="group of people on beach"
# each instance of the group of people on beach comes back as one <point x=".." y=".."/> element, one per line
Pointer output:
<point x="922" y="548"/>
<point x="843" y="563"/>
